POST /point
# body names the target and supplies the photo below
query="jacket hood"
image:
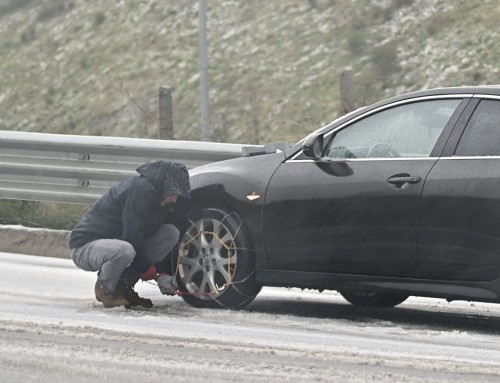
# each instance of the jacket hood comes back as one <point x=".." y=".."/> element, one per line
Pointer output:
<point x="168" y="178"/>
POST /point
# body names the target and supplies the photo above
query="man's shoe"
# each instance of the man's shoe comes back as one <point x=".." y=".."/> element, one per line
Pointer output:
<point x="108" y="299"/>
<point x="131" y="295"/>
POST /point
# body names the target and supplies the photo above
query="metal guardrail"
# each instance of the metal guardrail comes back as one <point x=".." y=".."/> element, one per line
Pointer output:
<point x="79" y="169"/>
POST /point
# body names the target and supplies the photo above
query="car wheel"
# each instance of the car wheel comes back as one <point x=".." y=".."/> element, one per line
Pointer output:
<point x="216" y="261"/>
<point x="360" y="298"/>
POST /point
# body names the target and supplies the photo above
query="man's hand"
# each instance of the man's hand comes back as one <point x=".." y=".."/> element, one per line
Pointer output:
<point x="167" y="284"/>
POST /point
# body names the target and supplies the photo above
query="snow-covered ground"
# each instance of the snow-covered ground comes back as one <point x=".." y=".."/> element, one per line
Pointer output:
<point x="52" y="329"/>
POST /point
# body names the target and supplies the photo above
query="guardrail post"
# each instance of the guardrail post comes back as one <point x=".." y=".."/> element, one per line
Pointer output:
<point x="83" y="182"/>
<point x="166" y="123"/>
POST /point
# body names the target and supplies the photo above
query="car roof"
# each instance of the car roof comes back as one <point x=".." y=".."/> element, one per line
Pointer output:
<point x="479" y="89"/>
<point x="465" y="90"/>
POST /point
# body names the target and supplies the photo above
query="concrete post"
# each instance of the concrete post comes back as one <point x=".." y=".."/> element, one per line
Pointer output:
<point x="346" y="80"/>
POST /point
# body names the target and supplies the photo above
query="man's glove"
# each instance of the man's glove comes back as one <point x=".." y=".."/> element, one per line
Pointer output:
<point x="167" y="284"/>
<point x="149" y="274"/>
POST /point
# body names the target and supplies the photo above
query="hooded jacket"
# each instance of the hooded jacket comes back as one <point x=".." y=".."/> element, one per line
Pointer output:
<point x="130" y="210"/>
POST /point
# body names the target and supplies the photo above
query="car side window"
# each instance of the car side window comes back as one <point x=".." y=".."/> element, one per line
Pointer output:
<point x="481" y="137"/>
<point x="408" y="131"/>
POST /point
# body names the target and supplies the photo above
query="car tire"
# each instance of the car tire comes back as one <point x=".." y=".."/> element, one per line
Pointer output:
<point x="360" y="298"/>
<point x="215" y="266"/>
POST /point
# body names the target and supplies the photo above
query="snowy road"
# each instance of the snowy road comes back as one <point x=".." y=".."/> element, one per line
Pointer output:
<point x="52" y="329"/>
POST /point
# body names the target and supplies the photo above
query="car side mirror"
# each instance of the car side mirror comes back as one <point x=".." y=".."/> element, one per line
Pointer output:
<point x="313" y="146"/>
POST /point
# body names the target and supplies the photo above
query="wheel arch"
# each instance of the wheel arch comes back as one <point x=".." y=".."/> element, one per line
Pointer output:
<point x="238" y="185"/>
<point x="214" y="196"/>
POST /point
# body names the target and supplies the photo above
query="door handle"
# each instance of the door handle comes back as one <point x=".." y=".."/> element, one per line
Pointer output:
<point x="401" y="181"/>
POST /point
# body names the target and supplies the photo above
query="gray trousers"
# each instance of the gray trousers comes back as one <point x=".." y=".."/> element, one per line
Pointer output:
<point x="115" y="259"/>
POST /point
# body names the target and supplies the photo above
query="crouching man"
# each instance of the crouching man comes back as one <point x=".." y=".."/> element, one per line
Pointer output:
<point x="123" y="234"/>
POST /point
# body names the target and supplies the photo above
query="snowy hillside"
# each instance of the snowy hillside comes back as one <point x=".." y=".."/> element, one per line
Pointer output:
<point x="94" y="67"/>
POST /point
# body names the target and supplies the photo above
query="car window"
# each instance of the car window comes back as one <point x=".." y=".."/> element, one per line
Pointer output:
<point x="482" y="134"/>
<point x="409" y="130"/>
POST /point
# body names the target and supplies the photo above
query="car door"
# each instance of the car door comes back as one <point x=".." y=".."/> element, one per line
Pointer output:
<point x="459" y="226"/>
<point x="355" y="210"/>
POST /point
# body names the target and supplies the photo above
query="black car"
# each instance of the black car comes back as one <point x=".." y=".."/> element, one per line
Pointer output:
<point x="395" y="199"/>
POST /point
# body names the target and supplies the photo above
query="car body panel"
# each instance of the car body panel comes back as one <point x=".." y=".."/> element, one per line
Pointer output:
<point x="344" y="217"/>
<point x="450" y="290"/>
<point x="459" y="225"/>
<point x="233" y="180"/>
<point x="229" y="183"/>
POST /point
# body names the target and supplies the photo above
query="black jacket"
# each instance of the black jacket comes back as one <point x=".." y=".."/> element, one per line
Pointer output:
<point x="131" y="209"/>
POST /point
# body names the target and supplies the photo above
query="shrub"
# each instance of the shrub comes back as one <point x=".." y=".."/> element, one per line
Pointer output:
<point x="99" y="19"/>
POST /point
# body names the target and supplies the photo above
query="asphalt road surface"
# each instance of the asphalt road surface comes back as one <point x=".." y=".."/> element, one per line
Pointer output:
<point x="53" y="330"/>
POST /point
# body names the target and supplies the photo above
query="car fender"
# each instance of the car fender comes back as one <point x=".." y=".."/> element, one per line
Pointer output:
<point x="239" y="184"/>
